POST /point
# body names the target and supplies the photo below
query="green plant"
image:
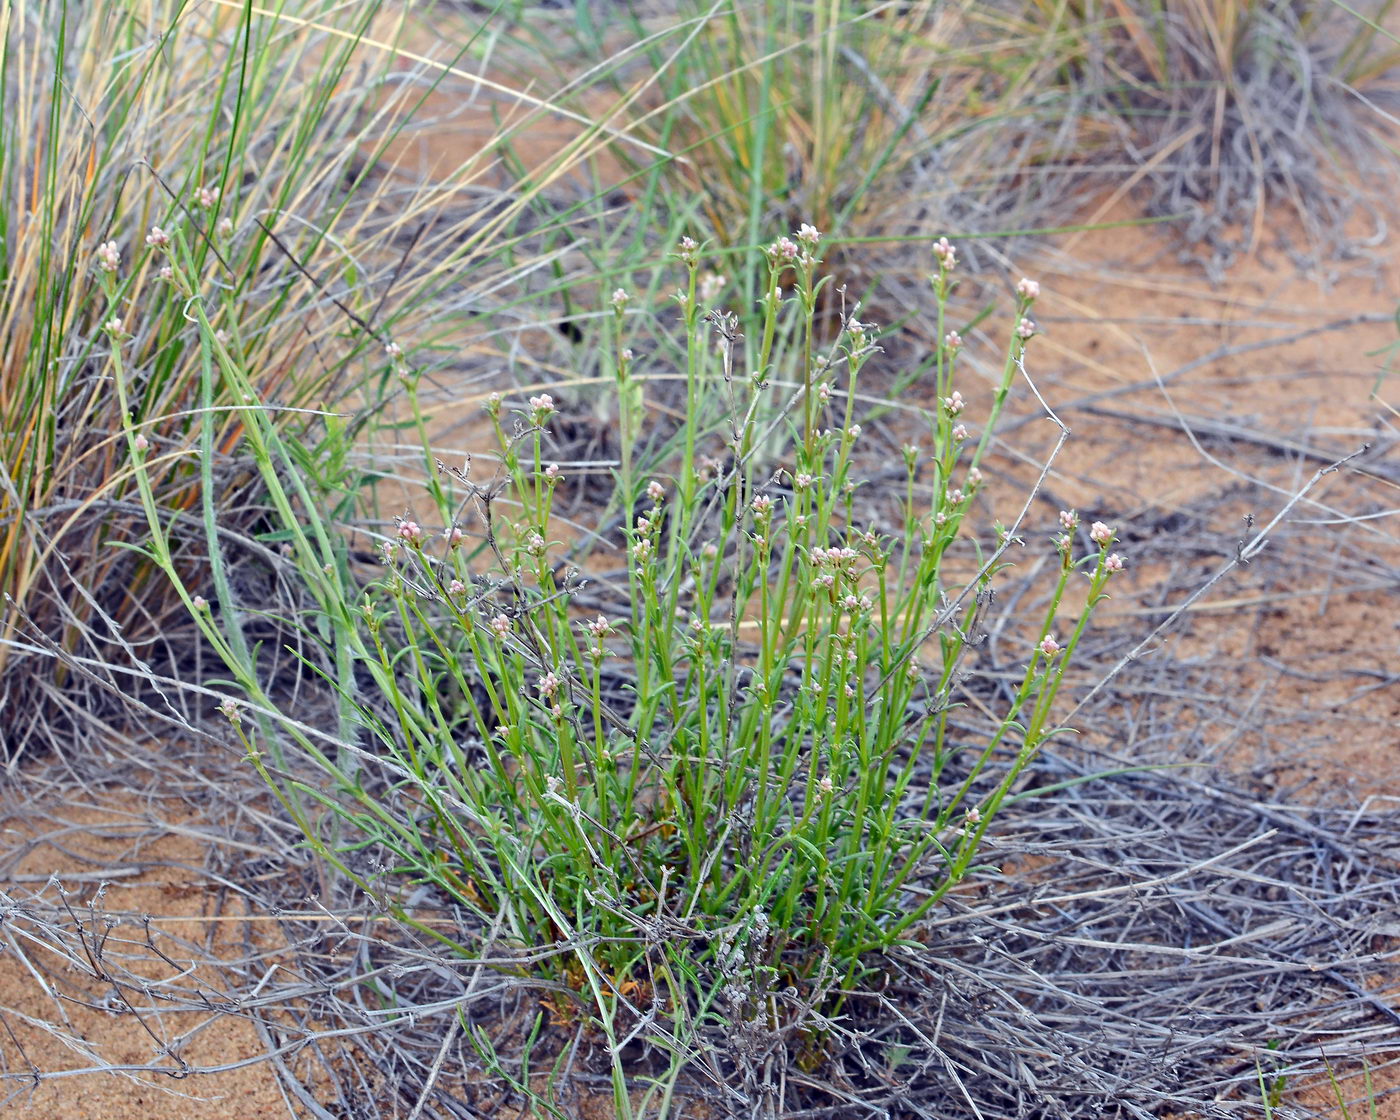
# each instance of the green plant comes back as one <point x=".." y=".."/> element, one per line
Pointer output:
<point x="1371" y="1099"/>
<point x="734" y="774"/>
<point x="1273" y="1083"/>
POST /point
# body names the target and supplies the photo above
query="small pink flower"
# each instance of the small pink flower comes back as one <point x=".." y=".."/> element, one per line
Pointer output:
<point x="200" y="603"/>
<point x="620" y="299"/>
<point x="165" y="272"/>
<point x="655" y="492"/>
<point x="953" y="341"/>
<point x="553" y="473"/>
<point x="853" y="431"/>
<point x="454" y="537"/>
<point x="974" y="477"/>
<point x="641" y="551"/>
<point x="542" y="407"/>
<point x="972" y="816"/>
<point x="945" y="254"/>
<point x="548" y="685"/>
<point x="600" y="627"/>
<point x="1027" y="289"/>
<point x="956" y="497"/>
<point x="802" y="481"/>
<point x="784" y="249"/>
<point x="1025" y="329"/>
<point x="141" y="443"/>
<point x="410" y="531"/>
<point x="1069" y="520"/>
<point x="229" y="710"/>
<point x="954" y="404"/>
<point x="225" y="227"/>
<point x="393" y="349"/>
<point x="456" y="587"/>
<point x="157" y="238"/>
<point x="1113" y="562"/>
<point x="109" y="257"/>
<point x="501" y="625"/>
<point x="1049" y="646"/>
<point x="825" y="785"/>
<point x="1101" y="534"/>
<point x="808" y="235"/>
<point x="960" y="433"/>
<point x="113" y="325"/>
<point x="207" y="197"/>
<point x="534" y="544"/>
<point x="762" y="506"/>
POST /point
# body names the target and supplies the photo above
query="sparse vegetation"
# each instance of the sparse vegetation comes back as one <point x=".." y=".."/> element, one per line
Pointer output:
<point x="693" y="705"/>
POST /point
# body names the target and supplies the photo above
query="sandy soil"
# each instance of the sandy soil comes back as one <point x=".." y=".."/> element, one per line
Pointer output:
<point x="1314" y="623"/>
<point x="121" y="855"/>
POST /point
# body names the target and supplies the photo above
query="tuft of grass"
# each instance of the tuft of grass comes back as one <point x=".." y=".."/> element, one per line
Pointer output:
<point x="1231" y="109"/>
<point x="698" y="769"/>
<point x="274" y="145"/>
<point x="887" y="121"/>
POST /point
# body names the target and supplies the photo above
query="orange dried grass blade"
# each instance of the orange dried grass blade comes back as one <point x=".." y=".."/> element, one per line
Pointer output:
<point x="1146" y="49"/>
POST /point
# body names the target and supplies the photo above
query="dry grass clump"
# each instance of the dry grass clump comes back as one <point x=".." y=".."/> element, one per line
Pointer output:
<point x="896" y="122"/>
<point x="265" y="145"/>
<point x="1226" y="111"/>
